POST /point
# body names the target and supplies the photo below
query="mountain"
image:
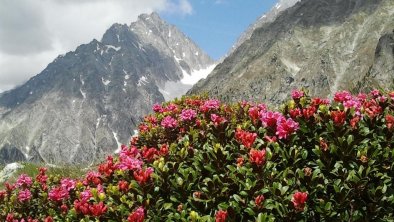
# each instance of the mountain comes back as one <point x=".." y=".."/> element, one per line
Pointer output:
<point x="322" y="45"/>
<point x="88" y="101"/>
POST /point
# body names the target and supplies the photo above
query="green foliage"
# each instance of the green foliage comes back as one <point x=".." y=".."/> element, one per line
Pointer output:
<point x="198" y="160"/>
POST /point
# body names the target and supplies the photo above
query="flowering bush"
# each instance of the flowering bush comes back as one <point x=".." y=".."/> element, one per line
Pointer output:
<point x="196" y="159"/>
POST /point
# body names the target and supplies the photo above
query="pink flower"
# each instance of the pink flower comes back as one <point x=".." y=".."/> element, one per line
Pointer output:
<point x="208" y="105"/>
<point x="157" y="108"/>
<point x="24" y="195"/>
<point x="67" y="184"/>
<point x="299" y="199"/>
<point x="286" y="128"/>
<point x="58" y="194"/>
<point x="375" y="93"/>
<point x="172" y="107"/>
<point x="270" y="119"/>
<point x="188" y="114"/>
<point x="342" y="96"/>
<point x="257" y="157"/>
<point x="297" y="94"/>
<point x="24" y="180"/>
<point x="128" y="163"/>
<point x="217" y="120"/>
<point x="137" y="216"/>
<point x="86" y="195"/>
<point x="169" y="122"/>
<point x="221" y="216"/>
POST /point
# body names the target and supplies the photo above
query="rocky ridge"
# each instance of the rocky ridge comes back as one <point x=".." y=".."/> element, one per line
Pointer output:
<point x="324" y="46"/>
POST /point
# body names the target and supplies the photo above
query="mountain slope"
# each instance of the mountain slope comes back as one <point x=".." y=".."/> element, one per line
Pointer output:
<point x="324" y="46"/>
<point x="86" y="102"/>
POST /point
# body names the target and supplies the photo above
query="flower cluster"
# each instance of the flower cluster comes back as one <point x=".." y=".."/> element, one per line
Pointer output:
<point x="197" y="159"/>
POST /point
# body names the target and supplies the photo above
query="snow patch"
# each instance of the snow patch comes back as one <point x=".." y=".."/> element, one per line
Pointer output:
<point x="112" y="47"/>
<point x="169" y="34"/>
<point x="143" y="80"/>
<point x="291" y="66"/>
<point x="98" y="122"/>
<point x="117" y="141"/>
<point x="117" y="36"/>
<point x="124" y="83"/>
<point x="127" y="77"/>
<point x="83" y="93"/>
<point x="196" y="53"/>
<point x="196" y="75"/>
<point x="105" y="82"/>
<point x="9" y="170"/>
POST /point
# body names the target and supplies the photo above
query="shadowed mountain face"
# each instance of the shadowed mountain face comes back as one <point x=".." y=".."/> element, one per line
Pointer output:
<point x="322" y="45"/>
<point x="87" y="102"/>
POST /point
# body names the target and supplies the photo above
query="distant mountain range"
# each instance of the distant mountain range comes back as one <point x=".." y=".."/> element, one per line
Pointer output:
<point x="322" y="45"/>
<point x="88" y="101"/>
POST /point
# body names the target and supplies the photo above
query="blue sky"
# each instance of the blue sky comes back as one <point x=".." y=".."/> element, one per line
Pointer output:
<point x="216" y="25"/>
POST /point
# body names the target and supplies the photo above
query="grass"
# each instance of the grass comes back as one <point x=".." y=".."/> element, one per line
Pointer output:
<point x="31" y="169"/>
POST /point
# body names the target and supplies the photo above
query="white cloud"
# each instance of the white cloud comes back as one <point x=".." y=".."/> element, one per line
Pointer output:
<point x="34" y="32"/>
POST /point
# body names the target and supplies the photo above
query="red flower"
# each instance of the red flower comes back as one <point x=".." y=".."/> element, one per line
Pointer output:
<point x="108" y="167"/>
<point x="217" y="120"/>
<point x="309" y="112"/>
<point x="246" y="138"/>
<point x="10" y="217"/>
<point x="221" y="216"/>
<point x="389" y="121"/>
<point x="240" y="161"/>
<point x="354" y="121"/>
<point x="318" y="101"/>
<point x="323" y="145"/>
<point x="81" y="207"/>
<point x="257" y="156"/>
<point x="92" y="177"/>
<point x="372" y="108"/>
<point x="149" y="153"/>
<point x="48" y="219"/>
<point x="123" y="185"/>
<point x="254" y="113"/>
<point x="98" y="209"/>
<point x="258" y="200"/>
<point x="164" y="150"/>
<point x="142" y="176"/>
<point x="299" y="199"/>
<point x="137" y="216"/>
<point x="338" y="117"/>
<point x="42" y="177"/>
<point x="64" y="209"/>
<point x="295" y="113"/>
<point x="3" y="194"/>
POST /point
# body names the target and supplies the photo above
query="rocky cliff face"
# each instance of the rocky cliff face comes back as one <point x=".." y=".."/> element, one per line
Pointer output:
<point x="322" y="45"/>
<point x="87" y="102"/>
